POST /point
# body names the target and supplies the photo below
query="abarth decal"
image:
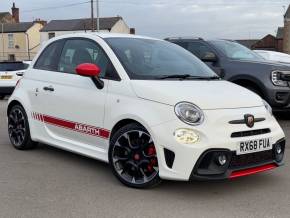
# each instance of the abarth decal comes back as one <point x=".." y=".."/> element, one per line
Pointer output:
<point x="78" y="127"/>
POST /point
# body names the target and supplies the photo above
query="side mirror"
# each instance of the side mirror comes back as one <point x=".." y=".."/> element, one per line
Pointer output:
<point x="88" y="70"/>
<point x="209" y="57"/>
<point x="92" y="71"/>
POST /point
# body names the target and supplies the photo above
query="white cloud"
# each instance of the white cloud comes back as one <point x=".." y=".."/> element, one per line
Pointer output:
<point x="161" y="18"/>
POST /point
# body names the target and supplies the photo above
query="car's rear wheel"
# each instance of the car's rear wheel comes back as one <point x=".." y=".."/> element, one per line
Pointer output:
<point x="133" y="157"/>
<point x="18" y="129"/>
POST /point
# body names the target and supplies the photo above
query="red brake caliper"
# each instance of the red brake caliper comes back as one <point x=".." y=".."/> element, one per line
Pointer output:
<point x="151" y="152"/>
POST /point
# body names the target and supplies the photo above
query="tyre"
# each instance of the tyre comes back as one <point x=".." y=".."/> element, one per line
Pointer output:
<point x="18" y="129"/>
<point x="133" y="158"/>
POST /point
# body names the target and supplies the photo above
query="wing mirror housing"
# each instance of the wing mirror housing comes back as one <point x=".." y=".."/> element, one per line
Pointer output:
<point x="209" y="57"/>
<point x="91" y="70"/>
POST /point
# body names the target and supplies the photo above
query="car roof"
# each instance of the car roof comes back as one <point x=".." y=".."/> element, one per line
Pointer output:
<point x="102" y="35"/>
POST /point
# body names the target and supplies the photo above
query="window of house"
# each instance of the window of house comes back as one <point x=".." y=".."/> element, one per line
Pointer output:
<point x="11" y="57"/>
<point x="10" y="40"/>
<point x="51" y="35"/>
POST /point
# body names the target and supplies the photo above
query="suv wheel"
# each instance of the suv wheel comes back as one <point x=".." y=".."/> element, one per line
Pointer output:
<point x="18" y="129"/>
<point x="133" y="158"/>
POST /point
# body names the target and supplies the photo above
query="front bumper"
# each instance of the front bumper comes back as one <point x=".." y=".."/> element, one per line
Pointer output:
<point x="207" y="167"/>
<point x="178" y="161"/>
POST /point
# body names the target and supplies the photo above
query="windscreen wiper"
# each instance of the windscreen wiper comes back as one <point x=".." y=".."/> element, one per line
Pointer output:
<point x="187" y="76"/>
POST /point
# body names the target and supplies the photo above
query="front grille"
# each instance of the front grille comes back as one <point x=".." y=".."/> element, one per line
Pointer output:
<point x="250" y="133"/>
<point x="238" y="161"/>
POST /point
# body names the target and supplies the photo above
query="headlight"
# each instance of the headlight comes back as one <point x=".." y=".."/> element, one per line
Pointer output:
<point x="186" y="136"/>
<point x="268" y="107"/>
<point x="276" y="79"/>
<point x="189" y="113"/>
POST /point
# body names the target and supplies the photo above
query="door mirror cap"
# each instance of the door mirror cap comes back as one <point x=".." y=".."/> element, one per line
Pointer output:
<point x="209" y="57"/>
<point x="88" y="70"/>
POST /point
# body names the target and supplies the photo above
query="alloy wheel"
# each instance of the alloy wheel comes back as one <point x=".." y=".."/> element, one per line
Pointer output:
<point x="16" y="126"/>
<point x="134" y="157"/>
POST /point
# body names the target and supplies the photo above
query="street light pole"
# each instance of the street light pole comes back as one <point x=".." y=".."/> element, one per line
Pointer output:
<point x="92" y="16"/>
<point x="98" y="16"/>
<point x="3" y="39"/>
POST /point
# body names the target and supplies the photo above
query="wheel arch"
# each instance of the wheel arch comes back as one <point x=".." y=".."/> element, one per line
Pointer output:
<point x="250" y="82"/>
<point x="12" y="104"/>
<point x="123" y="122"/>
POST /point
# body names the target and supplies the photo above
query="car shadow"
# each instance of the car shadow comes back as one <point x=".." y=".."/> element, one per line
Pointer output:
<point x="195" y="189"/>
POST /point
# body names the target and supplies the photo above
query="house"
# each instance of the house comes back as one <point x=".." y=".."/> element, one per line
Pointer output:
<point x="18" y="40"/>
<point x="61" y="27"/>
<point x="6" y="17"/>
<point x="286" y="32"/>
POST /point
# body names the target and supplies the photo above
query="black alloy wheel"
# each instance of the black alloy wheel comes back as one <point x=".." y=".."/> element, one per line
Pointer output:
<point x="133" y="157"/>
<point x="18" y="129"/>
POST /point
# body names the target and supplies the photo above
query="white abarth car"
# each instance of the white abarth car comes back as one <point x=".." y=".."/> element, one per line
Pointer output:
<point x="148" y="107"/>
<point x="10" y="73"/>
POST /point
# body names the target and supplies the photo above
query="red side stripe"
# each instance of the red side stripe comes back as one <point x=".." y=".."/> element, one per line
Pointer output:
<point x="59" y="122"/>
<point x="251" y="171"/>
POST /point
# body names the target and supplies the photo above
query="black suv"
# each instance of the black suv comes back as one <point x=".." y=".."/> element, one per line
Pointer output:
<point x="240" y="65"/>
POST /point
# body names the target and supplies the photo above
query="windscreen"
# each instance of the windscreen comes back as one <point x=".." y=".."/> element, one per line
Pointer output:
<point x="13" y="66"/>
<point x="153" y="59"/>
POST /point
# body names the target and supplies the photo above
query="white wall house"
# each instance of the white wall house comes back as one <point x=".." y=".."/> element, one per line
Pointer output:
<point x="61" y="27"/>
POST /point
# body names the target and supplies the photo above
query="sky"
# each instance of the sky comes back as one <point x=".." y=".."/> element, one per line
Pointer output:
<point x="232" y="19"/>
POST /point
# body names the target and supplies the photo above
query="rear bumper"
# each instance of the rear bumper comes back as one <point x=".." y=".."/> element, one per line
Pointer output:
<point x="6" y="90"/>
<point x="237" y="166"/>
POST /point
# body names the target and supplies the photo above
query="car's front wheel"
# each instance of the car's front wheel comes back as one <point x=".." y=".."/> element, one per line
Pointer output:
<point x="18" y="129"/>
<point x="133" y="157"/>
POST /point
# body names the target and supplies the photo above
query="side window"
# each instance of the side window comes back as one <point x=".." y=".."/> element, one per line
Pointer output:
<point x="49" y="57"/>
<point x="79" y="51"/>
<point x="182" y="44"/>
<point x="199" y="49"/>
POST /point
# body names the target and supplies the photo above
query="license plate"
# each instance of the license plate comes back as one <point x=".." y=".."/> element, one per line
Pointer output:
<point x="253" y="146"/>
<point x="6" y="77"/>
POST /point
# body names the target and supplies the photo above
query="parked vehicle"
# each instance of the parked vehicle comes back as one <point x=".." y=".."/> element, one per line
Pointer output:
<point x="274" y="56"/>
<point x="244" y="67"/>
<point x="148" y="107"/>
<point x="10" y="73"/>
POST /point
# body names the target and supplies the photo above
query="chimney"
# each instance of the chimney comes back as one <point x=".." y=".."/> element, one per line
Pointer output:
<point x="42" y="22"/>
<point x="15" y="13"/>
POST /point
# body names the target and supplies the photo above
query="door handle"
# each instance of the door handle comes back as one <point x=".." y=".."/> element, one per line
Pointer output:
<point x="48" y="88"/>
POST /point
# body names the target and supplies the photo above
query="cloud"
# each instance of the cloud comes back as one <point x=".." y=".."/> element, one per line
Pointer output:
<point x="162" y="18"/>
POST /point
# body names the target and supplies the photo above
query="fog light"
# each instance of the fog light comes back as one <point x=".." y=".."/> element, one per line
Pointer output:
<point x="222" y="159"/>
<point x="278" y="149"/>
<point x="186" y="136"/>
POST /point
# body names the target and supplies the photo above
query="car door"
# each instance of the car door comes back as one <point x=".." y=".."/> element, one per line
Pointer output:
<point x="71" y="107"/>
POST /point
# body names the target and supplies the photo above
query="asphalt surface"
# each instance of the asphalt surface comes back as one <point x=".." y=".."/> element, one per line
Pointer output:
<point x="47" y="182"/>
